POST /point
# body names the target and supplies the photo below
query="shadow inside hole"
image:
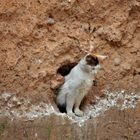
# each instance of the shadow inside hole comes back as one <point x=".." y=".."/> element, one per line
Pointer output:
<point x="66" y="68"/>
<point x="62" y="108"/>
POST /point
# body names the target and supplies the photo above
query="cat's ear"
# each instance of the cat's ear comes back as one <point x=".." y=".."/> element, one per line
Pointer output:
<point x="92" y="49"/>
<point x="89" y="58"/>
<point x="91" y="53"/>
<point x="100" y="57"/>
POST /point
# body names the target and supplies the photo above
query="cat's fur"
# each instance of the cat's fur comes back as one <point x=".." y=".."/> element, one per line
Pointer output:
<point x="77" y="84"/>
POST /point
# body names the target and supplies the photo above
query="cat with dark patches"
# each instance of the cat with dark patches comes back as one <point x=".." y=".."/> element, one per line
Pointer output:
<point x="78" y="83"/>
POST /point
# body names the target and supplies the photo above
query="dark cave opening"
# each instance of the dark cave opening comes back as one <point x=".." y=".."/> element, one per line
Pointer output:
<point x="66" y="68"/>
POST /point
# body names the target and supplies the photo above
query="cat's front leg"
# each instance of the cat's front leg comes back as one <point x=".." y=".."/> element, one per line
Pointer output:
<point x="69" y="104"/>
<point x="77" y="111"/>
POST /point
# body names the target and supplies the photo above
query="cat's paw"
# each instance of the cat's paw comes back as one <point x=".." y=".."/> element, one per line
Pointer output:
<point x="79" y="113"/>
<point x="71" y="114"/>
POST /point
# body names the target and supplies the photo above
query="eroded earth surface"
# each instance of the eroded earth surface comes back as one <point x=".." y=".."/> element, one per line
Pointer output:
<point x="38" y="37"/>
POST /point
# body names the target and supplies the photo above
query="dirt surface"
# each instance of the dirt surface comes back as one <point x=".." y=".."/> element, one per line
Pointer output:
<point x="113" y="125"/>
<point x="40" y="37"/>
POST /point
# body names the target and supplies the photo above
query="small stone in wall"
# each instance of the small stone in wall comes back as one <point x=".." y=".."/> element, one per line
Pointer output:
<point x="117" y="61"/>
<point x="127" y="66"/>
<point x="50" y="21"/>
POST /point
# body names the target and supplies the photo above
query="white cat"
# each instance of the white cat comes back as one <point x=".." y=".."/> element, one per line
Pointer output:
<point x="77" y="84"/>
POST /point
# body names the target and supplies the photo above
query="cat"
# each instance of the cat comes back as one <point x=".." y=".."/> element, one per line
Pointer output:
<point x="77" y="84"/>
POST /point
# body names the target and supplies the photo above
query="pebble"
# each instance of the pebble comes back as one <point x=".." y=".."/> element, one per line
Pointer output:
<point x="117" y="61"/>
<point x="50" y="21"/>
<point x="126" y="66"/>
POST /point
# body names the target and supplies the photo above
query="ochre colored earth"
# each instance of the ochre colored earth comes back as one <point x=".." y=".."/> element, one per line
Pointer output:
<point x="38" y="38"/>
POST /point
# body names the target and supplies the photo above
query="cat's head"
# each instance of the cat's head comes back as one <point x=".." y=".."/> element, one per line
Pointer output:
<point x="91" y="62"/>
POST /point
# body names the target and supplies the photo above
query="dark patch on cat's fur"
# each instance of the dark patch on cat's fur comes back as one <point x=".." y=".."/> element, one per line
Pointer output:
<point x="92" y="60"/>
<point x="65" y="69"/>
<point x="62" y="108"/>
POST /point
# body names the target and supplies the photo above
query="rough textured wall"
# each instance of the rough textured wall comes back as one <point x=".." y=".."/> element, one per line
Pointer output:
<point x="39" y="36"/>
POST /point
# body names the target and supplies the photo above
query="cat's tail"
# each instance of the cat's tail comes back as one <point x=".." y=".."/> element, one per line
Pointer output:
<point x="61" y="101"/>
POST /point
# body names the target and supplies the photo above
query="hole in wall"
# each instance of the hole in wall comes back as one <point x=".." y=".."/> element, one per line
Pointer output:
<point x="66" y="68"/>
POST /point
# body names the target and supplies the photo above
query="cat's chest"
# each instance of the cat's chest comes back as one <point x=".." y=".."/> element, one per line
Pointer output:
<point x="84" y="87"/>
